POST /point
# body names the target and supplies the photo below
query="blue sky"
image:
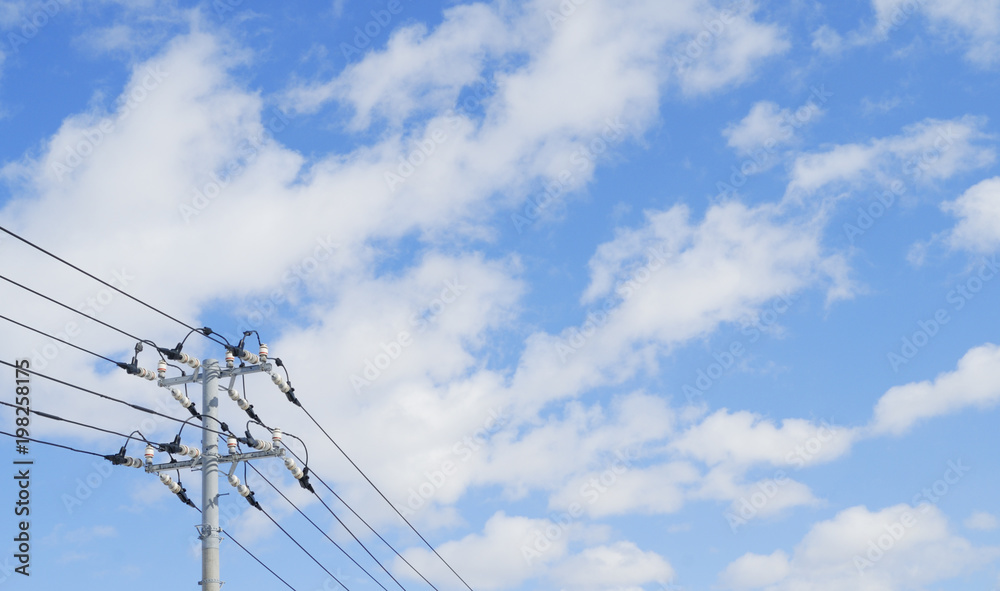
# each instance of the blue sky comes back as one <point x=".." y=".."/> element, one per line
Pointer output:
<point x="603" y="295"/>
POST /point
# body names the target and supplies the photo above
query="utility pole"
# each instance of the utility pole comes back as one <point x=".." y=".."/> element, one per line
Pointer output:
<point x="210" y="537"/>
<point x="208" y="459"/>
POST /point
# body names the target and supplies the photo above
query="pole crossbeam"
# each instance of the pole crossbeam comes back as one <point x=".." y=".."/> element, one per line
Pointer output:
<point x="235" y="458"/>
<point x="231" y="372"/>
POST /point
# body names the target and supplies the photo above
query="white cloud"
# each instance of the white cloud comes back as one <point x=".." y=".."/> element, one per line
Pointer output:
<point x="974" y="382"/>
<point x="978" y="213"/>
<point x="767" y="126"/>
<point x="864" y="550"/>
<point x="975" y="23"/>
<point x="925" y="151"/>
<point x="620" y="566"/>
<point x="980" y="520"/>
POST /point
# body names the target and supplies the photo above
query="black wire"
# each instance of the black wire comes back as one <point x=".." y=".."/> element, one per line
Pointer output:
<point x="70" y="308"/>
<point x="105" y="396"/>
<point x="302" y="548"/>
<point x="58" y="339"/>
<point x="313" y="474"/>
<point x="252" y="555"/>
<point x="72" y="422"/>
<point x="103" y="282"/>
<point x="320" y="529"/>
<point x="386" y="499"/>
<point x="304" y="447"/>
<point x="53" y="444"/>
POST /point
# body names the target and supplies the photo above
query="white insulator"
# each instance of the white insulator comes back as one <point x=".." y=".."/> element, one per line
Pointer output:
<point x="133" y="462"/>
<point x="249" y="357"/>
<point x="191" y="361"/>
<point x="231" y="442"/>
<point x="261" y="445"/>
<point x="234" y="394"/>
<point x="277" y="379"/>
<point x="285" y="388"/>
<point x="167" y="480"/>
<point x="150" y="452"/>
<point x="234" y="480"/>
<point x="276" y="436"/>
<point x="180" y="397"/>
<point x="191" y="452"/>
<point x="244" y="490"/>
<point x="145" y="373"/>
<point x="230" y="359"/>
<point x="161" y="369"/>
<point x="243" y="404"/>
<point x="295" y="470"/>
<point x="263" y="352"/>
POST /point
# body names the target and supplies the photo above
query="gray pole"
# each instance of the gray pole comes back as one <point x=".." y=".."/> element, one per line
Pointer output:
<point x="210" y="478"/>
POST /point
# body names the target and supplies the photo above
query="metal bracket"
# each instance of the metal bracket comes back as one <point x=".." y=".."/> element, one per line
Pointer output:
<point x="235" y="458"/>
<point x="223" y="373"/>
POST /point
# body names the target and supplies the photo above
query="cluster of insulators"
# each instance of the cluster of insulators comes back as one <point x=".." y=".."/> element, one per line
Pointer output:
<point x="179" y="396"/>
<point x="122" y="460"/>
<point x="176" y="448"/>
<point x="285" y="387"/>
<point x="142" y="372"/>
<point x="232" y="353"/>
<point x="161" y="367"/>
<point x="234" y="394"/>
<point x="175" y="488"/>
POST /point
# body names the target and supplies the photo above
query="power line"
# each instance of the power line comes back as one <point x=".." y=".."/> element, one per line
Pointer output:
<point x="105" y="396"/>
<point x="70" y="308"/>
<point x="301" y="547"/>
<point x="320" y="530"/>
<point x="55" y="338"/>
<point x="103" y="282"/>
<point x="312" y="472"/>
<point x="356" y="467"/>
<point x="72" y="422"/>
<point x="79" y="451"/>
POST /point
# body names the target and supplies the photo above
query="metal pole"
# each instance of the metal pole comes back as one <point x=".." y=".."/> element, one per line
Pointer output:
<point x="210" y="478"/>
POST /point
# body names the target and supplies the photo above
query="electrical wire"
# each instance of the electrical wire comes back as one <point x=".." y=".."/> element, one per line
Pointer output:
<point x="386" y="499"/>
<point x="70" y="308"/>
<point x="320" y="530"/>
<point x="80" y="451"/>
<point x="301" y="547"/>
<point x="55" y="338"/>
<point x="105" y="396"/>
<point x="103" y="282"/>
<point x="313" y="474"/>
<point x="85" y="425"/>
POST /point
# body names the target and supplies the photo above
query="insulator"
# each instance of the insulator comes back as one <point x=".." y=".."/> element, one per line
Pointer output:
<point x="230" y="359"/>
<point x="161" y="369"/>
<point x="263" y="352"/>
<point x="231" y="442"/>
<point x="261" y="445"/>
<point x="145" y="373"/>
<point x="180" y="397"/>
<point x="150" y="452"/>
<point x="167" y="480"/>
<point x="244" y="490"/>
<point x="234" y="394"/>
<point x="280" y="383"/>
<point x="276" y="436"/>
<point x="191" y="452"/>
<point x="295" y="470"/>
<point x="133" y="462"/>
<point x="234" y="480"/>
<point x="243" y="404"/>
<point x="191" y="361"/>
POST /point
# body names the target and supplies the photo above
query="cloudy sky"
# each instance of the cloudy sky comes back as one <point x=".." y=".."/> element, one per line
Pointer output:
<point x="603" y="295"/>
